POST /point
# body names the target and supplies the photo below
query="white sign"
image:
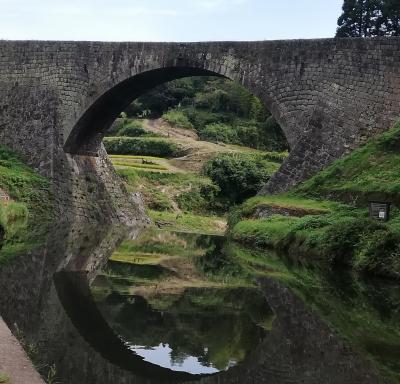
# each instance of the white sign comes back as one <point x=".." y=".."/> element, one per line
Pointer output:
<point x="382" y="214"/>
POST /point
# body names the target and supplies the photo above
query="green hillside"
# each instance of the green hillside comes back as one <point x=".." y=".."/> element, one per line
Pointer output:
<point x="24" y="218"/>
<point x="326" y="221"/>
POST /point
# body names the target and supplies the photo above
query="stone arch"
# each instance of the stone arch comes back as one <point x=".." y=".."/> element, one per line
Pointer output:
<point x="87" y="133"/>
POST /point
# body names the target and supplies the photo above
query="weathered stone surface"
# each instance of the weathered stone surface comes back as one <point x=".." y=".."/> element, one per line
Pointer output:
<point x="58" y="98"/>
<point x="13" y="360"/>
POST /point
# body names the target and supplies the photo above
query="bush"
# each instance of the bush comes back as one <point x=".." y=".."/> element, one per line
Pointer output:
<point x="239" y="175"/>
<point x="159" y="202"/>
<point x="249" y="136"/>
<point x="133" y="129"/>
<point x="141" y="146"/>
<point x="13" y="216"/>
<point x="201" y="118"/>
<point x="178" y="118"/>
<point x="219" y="133"/>
<point x="200" y="199"/>
<point x="379" y="253"/>
<point x="343" y="237"/>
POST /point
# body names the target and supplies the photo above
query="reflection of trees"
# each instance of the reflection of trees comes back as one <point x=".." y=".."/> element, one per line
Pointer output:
<point x="218" y="261"/>
<point x="214" y="325"/>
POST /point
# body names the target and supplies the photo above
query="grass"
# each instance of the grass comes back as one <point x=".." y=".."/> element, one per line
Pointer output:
<point x="141" y="162"/>
<point x="13" y="216"/>
<point x="140" y="165"/>
<point x="154" y="246"/>
<point x="330" y="231"/>
<point x="177" y="118"/>
<point x="369" y="172"/>
<point x="288" y="201"/>
<point x="5" y="379"/>
<point x="133" y="257"/>
<point x="148" y="146"/>
<point x="187" y="222"/>
<point x="134" y="157"/>
<point x="263" y="233"/>
<point x="26" y="217"/>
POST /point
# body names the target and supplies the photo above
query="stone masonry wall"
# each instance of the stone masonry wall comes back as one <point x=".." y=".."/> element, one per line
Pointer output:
<point x="329" y="96"/>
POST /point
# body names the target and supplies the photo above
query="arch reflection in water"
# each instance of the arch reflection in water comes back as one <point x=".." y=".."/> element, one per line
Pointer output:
<point x="167" y="310"/>
<point x="298" y="346"/>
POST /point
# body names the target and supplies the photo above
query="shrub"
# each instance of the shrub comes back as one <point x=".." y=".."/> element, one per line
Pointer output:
<point x="343" y="236"/>
<point x="379" y="253"/>
<point x="141" y="146"/>
<point x="178" y="118"/>
<point x="249" y="136"/>
<point x="239" y="175"/>
<point x="219" y="132"/>
<point x="201" y="118"/>
<point x="200" y="199"/>
<point x="159" y="201"/>
<point x="132" y="129"/>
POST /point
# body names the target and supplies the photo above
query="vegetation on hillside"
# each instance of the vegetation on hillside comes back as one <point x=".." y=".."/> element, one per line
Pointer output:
<point x="370" y="172"/>
<point x="25" y="217"/>
<point x="183" y="200"/>
<point x="217" y="109"/>
<point x="239" y="176"/>
<point x="329" y="232"/>
<point x="146" y="146"/>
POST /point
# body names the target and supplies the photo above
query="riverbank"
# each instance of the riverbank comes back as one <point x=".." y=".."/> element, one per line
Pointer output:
<point x="326" y="219"/>
<point x="25" y="206"/>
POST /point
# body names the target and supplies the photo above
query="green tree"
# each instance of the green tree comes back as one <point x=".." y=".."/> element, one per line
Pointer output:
<point x="390" y="20"/>
<point x="239" y="176"/>
<point x="361" y="18"/>
<point x="365" y="18"/>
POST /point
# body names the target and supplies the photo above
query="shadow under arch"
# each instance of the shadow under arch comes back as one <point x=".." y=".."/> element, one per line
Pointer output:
<point x="77" y="300"/>
<point x="86" y="135"/>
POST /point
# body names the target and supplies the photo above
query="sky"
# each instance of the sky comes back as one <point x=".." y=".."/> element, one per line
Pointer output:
<point x="168" y="20"/>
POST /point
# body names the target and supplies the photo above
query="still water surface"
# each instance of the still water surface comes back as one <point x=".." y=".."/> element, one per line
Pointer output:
<point x="111" y="305"/>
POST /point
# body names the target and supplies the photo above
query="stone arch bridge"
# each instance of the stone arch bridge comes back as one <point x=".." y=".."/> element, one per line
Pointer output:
<point x="58" y="98"/>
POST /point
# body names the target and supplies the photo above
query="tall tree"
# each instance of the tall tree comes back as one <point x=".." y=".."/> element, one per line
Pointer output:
<point x="360" y="18"/>
<point x="364" y="18"/>
<point x="391" y="17"/>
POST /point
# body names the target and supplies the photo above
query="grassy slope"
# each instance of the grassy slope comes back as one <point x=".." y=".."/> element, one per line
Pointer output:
<point x="343" y="234"/>
<point x="172" y="187"/>
<point x="26" y="216"/>
<point x="372" y="171"/>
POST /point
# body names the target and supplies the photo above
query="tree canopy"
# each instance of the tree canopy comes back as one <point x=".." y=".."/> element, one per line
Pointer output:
<point x="365" y="18"/>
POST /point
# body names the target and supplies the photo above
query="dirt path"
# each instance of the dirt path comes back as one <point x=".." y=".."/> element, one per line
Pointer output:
<point x="14" y="362"/>
<point x="197" y="151"/>
<point x="163" y="128"/>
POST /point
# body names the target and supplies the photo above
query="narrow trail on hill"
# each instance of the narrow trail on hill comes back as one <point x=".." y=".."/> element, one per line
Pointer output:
<point x="198" y="152"/>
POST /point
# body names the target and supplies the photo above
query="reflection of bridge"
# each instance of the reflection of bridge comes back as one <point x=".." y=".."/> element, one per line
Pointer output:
<point x="76" y="297"/>
<point x="300" y="348"/>
<point x="328" y="95"/>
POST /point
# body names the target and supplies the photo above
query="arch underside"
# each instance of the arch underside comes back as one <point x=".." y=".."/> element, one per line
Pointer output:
<point x="87" y="134"/>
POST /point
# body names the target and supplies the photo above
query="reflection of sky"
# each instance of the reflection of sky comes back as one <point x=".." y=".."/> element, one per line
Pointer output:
<point x="161" y="356"/>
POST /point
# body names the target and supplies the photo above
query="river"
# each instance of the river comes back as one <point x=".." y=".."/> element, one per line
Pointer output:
<point x="108" y="304"/>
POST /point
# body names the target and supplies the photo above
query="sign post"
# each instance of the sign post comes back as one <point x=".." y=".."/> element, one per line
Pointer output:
<point x="379" y="210"/>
